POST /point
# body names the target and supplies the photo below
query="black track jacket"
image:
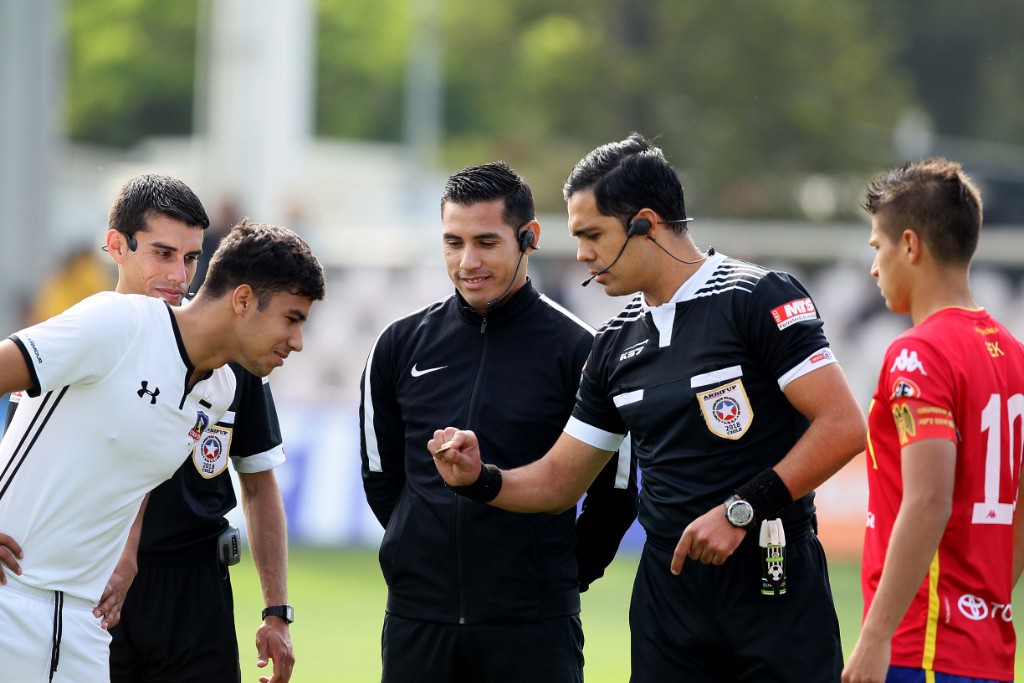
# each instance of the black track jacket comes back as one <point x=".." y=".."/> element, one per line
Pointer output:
<point x="512" y="377"/>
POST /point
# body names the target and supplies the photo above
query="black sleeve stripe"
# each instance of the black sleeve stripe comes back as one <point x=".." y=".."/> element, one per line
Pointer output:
<point x="33" y="390"/>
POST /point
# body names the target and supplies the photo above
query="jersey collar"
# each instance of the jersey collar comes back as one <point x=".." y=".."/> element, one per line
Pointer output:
<point x="692" y="284"/>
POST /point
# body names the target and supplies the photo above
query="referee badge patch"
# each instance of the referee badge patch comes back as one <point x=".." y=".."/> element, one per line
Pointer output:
<point x="726" y="410"/>
<point x="211" y="453"/>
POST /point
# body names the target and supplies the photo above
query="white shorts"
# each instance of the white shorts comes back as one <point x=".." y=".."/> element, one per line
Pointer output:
<point x="39" y="631"/>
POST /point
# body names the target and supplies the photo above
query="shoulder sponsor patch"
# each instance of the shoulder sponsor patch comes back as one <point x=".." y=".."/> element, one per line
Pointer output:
<point x="726" y="410"/>
<point x="794" y="312"/>
<point x="211" y="452"/>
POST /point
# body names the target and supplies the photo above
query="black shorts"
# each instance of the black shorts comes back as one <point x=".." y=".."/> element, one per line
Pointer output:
<point x="548" y="651"/>
<point x="177" y="626"/>
<point x="711" y="624"/>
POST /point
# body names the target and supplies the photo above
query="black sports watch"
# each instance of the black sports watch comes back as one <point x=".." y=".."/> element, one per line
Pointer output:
<point x="739" y="512"/>
<point x="286" y="612"/>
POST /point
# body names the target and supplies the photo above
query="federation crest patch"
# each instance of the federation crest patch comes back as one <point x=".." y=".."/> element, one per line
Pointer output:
<point x="905" y="388"/>
<point x="906" y="428"/>
<point x="202" y="422"/>
<point x="210" y="455"/>
<point x="726" y="410"/>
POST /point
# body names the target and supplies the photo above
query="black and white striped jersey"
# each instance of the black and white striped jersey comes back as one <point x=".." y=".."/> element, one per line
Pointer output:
<point x="698" y="383"/>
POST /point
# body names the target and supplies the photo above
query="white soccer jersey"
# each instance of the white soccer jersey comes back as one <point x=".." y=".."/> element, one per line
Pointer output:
<point x="108" y="419"/>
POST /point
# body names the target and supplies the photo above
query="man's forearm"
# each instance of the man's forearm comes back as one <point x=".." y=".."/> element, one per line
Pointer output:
<point x="267" y="530"/>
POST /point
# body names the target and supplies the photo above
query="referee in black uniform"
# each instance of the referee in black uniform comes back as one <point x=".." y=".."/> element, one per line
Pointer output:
<point x="737" y="409"/>
<point x="476" y="593"/>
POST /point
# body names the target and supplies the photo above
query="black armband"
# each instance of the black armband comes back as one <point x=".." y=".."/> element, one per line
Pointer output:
<point x="485" y="488"/>
<point x="766" y="493"/>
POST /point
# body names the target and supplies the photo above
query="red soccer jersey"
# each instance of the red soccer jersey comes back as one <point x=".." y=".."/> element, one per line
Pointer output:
<point x="958" y="375"/>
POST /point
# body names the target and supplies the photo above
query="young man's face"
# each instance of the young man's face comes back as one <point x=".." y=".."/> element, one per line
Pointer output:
<point x="164" y="259"/>
<point x="890" y="266"/>
<point x="481" y="251"/>
<point x="598" y="240"/>
<point x="269" y="335"/>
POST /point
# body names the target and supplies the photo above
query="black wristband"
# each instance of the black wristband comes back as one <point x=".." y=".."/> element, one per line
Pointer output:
<point x="485" y="488"/>
<point x="766" y="493"/>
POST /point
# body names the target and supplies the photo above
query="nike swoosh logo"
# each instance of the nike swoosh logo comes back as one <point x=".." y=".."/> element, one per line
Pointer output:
<point x="418" y="373"/>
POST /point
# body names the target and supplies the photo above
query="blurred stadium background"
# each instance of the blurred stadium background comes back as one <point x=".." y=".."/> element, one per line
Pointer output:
<point x="342" y="118"/>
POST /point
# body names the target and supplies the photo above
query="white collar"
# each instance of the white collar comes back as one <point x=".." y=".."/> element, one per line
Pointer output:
<point x="691" y="285"/>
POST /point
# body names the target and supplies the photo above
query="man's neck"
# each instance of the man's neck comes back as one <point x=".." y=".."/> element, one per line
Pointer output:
<point x="202" y="337"/>
<point x="943" y="288"/>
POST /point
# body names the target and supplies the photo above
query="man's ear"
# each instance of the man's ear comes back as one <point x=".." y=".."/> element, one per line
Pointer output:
<point x="912" y="246"/>
<point x="243" y="299"/>
<point x="116" y="246"/>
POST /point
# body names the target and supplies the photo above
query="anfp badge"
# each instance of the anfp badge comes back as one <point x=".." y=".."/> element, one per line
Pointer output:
<point x="211" y="453"/>
<point x="726" y="410"/>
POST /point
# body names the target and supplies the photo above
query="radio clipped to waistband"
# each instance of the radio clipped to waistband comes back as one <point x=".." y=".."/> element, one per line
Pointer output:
<point x="229" y="546"/>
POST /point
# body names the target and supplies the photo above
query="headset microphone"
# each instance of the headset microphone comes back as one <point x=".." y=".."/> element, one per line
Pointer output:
<point x="133" y="244"/>
<point x="637" y="227"/>
<point x="526" y="241"/>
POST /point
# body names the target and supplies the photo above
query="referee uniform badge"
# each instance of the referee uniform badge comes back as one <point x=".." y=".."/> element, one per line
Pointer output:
<point x="726" y="410"/>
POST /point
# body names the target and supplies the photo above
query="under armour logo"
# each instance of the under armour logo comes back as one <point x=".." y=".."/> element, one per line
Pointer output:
<point x="145" y="390"/>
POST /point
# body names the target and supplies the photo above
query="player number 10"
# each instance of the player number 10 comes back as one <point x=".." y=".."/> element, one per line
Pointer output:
<point x="991" y="511"/>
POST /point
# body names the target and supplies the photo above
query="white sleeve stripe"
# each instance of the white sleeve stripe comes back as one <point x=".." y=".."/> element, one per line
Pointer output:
<point x="622" y="467"/>
<point x="592" y="436"/>
<point x="818" y="359"/>
<point x="260" y="462"/>
<point x="372" y="449"/>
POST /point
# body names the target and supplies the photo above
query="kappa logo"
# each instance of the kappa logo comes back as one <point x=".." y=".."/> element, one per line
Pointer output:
<point x="420" y="373"/>
<point x="908" y="361"/>
<point x="633" y="350"/>
<point x="144" y="390"/>
<point x="794" y="312"/>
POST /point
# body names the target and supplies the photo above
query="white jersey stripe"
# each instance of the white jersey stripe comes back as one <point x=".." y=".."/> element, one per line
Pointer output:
<point x="372" y="448"/>
<point x="622" y="467"/>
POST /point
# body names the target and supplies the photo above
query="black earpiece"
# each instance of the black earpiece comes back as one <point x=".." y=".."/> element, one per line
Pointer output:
<point x="640" y="227"/>
<point x="526" y="240"/>
<point x="133" y="244"/>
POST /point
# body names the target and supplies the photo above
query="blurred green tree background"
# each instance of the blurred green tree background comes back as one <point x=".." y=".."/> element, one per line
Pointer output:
<point x="747" y="97"/>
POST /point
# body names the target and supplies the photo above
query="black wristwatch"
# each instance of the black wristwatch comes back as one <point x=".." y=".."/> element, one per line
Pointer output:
<point x="739" y="512"/>
<point x="286" y="612"/>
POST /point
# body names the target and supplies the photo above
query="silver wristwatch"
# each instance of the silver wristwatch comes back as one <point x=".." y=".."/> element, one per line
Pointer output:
<point x="739" y="512"/>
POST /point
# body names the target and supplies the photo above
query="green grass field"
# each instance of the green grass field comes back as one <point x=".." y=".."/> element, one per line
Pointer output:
<point x="339" y="602"/>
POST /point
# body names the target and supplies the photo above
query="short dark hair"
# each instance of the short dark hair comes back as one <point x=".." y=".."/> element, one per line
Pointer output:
<point x="487" y="182"/>
<point x="269" y="258"/>
<point x="146" y="195"/>
<point x="936" y="199"/>
<point x="628" y="176"/>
